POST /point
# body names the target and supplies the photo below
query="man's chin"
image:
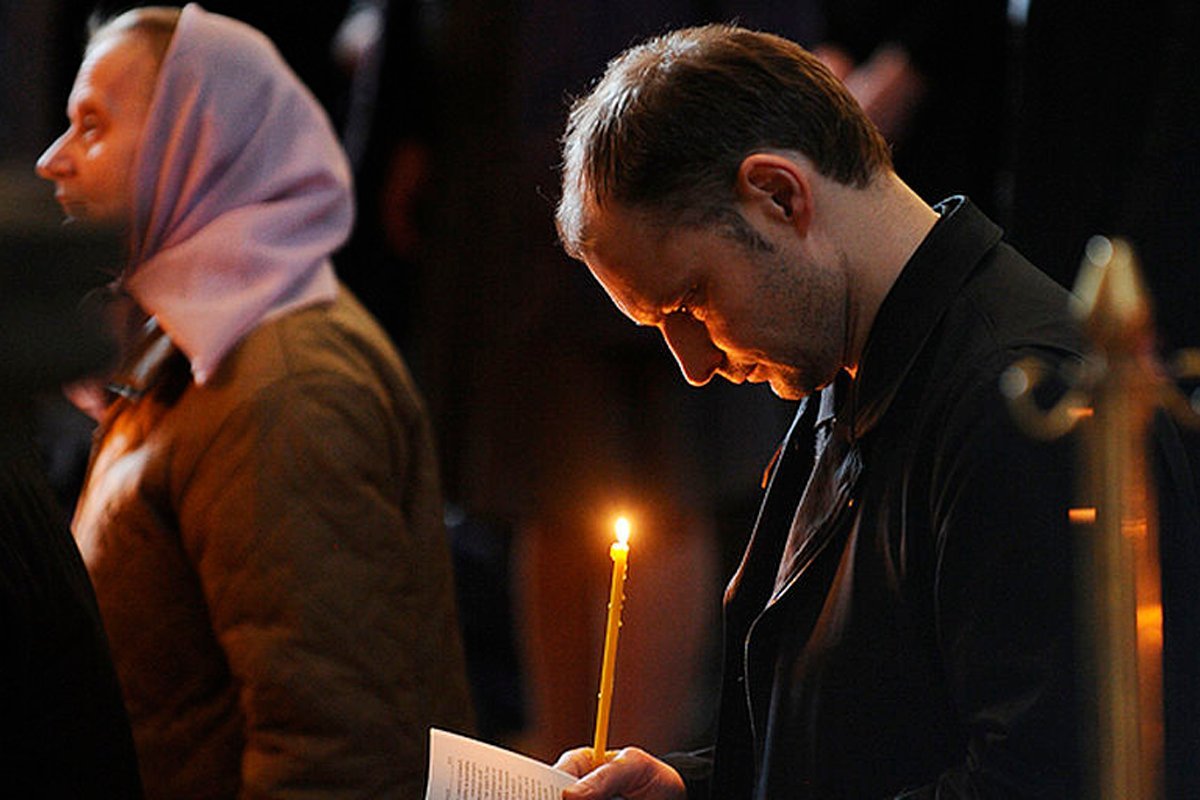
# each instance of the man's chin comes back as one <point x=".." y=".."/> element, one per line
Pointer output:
<point x="786" y="391"/>
<point x="786" y="384"/>
<point x="780" y="385"/>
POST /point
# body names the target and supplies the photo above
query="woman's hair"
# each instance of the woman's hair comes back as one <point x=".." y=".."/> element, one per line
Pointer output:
<point x="155" y="23"/>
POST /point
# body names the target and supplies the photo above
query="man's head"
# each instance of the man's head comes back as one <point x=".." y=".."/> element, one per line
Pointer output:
<point x="92" y="163"/>
<point x="689" y="176"/>
<point x="667" y="126"/>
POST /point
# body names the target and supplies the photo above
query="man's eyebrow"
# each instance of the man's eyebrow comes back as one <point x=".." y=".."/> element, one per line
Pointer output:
<point x="632" y="310"/>
<point x="650" y="315"/>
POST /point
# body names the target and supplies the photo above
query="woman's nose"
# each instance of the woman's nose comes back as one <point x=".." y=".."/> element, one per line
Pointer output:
<point x="692" y="347"/>
<point x="54" y="162"/>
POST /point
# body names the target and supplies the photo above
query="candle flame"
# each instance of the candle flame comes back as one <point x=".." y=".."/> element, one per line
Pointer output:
<point x="622" y="528"/>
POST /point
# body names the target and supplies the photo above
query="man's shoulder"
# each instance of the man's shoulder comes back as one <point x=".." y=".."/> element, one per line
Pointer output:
<point x="1007" y="311"/>
<point x="1008" y="308"/>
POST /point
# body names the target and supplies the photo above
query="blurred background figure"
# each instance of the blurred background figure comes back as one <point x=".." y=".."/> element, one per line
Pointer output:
<point x="932" y="76"/>
<point x="63" y="727"/>
<point x="384" y="47"/>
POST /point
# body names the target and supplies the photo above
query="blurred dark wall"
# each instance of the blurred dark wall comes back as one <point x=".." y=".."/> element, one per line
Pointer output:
<point x="27" y="59"/>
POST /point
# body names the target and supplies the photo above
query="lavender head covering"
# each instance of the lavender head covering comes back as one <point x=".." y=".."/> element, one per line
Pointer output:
<point x="243" y="191"/>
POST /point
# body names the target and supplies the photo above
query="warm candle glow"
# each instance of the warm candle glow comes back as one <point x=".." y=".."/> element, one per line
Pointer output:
<point x="619" y="552"/>
<point x="1082" y="516"/>
<point x="1083" y="412"/>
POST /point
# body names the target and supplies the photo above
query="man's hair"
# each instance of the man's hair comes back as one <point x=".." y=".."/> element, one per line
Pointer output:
<point x="155" y="24"/>
<point x="666" y="127"/>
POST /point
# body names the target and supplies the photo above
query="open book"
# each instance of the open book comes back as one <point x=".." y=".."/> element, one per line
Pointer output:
<point x="461" y="768"/>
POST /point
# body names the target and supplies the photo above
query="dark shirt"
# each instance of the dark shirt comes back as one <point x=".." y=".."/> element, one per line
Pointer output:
<point x="63" y="729"/>
<point x="901" y="620"/>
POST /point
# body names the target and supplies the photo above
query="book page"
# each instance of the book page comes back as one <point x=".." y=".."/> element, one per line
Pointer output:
<point x="461" y="768"/>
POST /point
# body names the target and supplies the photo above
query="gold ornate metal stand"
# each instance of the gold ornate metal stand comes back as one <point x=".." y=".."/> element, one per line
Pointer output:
<point x="1111" y="402"/>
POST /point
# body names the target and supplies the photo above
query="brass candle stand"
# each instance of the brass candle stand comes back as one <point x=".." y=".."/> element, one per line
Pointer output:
<point x="1110" y="402"/>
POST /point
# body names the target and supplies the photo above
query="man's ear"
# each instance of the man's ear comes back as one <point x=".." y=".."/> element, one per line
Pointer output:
<point x="778" y="186"/>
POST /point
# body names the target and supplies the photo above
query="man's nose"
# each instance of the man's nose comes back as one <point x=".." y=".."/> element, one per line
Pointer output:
<point x="692" y="347"/>
<point x="54" y="163"/>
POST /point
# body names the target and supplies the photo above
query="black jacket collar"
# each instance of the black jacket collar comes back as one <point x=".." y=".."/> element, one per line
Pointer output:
<point x="916" y="304"/>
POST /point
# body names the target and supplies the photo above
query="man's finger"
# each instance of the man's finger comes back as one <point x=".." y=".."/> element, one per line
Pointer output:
<point x="631" y="773"/>
<point x="577" y="762"/>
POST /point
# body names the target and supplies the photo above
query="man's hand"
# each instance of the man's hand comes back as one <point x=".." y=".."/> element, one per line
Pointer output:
<point x="631" y="773"/>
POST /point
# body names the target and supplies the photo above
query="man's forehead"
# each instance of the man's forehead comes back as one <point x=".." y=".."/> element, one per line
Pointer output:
<point x="624" y="253"/>
<point x="612" y="230"/>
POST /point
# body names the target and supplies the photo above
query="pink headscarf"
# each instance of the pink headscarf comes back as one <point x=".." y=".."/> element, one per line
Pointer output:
<point x="243" y="191"/>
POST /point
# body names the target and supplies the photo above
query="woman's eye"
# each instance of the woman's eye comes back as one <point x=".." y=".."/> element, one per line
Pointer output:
<point x="89" y="125"/>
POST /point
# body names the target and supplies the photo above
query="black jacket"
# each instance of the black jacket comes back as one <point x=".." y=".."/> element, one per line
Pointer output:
<point x="901" y="620"/>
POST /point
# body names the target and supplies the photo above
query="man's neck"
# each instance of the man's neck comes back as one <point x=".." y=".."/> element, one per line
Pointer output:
<point x="878" y="230"/>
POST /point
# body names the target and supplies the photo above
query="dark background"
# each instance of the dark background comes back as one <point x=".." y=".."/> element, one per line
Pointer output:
<point x="551" y="411"/>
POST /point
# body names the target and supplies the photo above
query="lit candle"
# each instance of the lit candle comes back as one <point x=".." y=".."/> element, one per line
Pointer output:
<point x="619" y="551"/>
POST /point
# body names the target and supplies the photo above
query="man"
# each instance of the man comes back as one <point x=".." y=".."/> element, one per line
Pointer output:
<point x="261" y="517"/>
<point x="900" y="625"/>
